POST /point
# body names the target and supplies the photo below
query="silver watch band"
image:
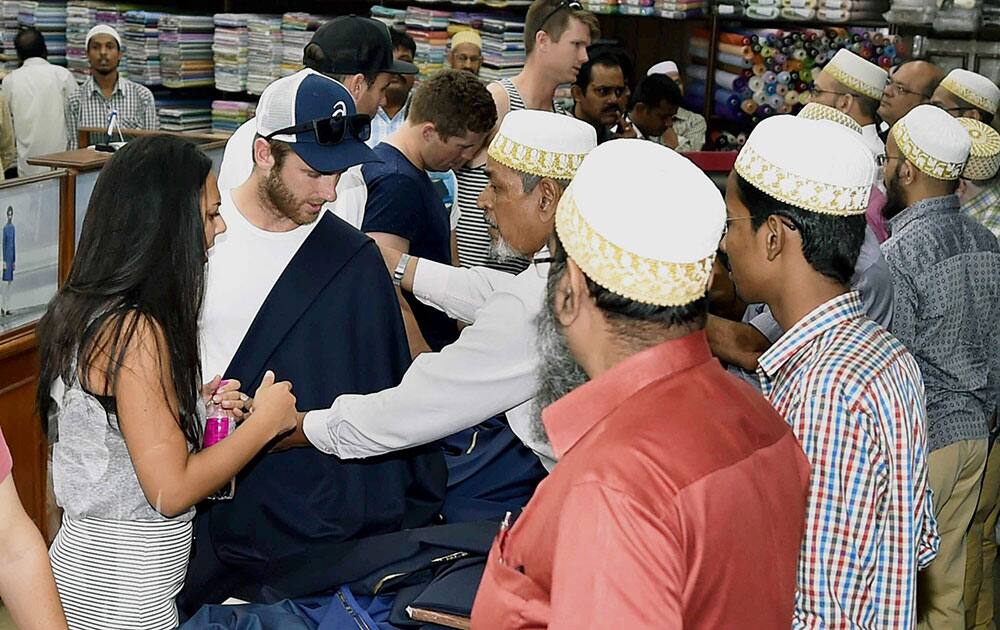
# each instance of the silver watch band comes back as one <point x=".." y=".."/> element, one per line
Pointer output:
<point x="400" y="271"/>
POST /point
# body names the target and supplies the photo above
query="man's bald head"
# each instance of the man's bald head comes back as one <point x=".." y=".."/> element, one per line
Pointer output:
<point x="911" y="84"/>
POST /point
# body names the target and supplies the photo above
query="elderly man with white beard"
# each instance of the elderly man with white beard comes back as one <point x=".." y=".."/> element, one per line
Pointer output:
<point x="492" y="367"/>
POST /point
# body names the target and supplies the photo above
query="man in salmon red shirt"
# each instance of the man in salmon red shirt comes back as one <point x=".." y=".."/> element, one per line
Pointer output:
<point x="661" y="450"/>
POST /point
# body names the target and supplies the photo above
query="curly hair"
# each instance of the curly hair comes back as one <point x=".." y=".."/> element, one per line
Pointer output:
<point x="456" y="102"/>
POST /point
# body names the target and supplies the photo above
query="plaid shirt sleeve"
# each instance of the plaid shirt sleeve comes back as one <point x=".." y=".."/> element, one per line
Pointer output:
<point x="73" y="119"/>
<point x="868" y="508"/>
<point x="150" y="120"/>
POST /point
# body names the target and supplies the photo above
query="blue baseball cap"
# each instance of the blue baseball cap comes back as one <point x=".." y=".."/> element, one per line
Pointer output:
<point x="316" y="116"/>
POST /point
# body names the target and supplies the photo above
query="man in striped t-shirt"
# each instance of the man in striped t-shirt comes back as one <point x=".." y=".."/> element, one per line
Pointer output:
<point x="851" y="391"/>
<point x="556" y="36"/>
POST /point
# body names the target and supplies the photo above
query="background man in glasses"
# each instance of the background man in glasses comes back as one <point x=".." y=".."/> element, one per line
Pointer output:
<point x="853" y="85"/>
<point x="295" y="289"/>
<point x="967" y="94"/>
<point x="357" y="52"/>
<point x="450" y="115"/>
<point x="466" y="51"/>
<point x="597" y="91"/>
<point x="912" y="83"/>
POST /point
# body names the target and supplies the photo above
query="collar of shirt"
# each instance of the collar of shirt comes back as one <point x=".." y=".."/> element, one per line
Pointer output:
<point x="401" y="113"/>
<point x="840" y="309"/>
<point x="35" y="61"/>
<point x="948" y="204"/>
<point x="93" y="88"/>
<point x="573" y="416"/>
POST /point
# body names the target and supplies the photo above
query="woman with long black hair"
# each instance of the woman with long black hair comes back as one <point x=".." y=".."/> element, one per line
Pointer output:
<point x="121" y="384"/>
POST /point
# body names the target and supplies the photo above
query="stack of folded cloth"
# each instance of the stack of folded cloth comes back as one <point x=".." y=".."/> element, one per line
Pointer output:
<point x="142" y="39"/>
<point x="184" y="116"/>
<point x="429" y="29"/>
<point x="8" y="13"/>
<point x="81" y="16"/>
<point x="230" y="51"/>
<point x="680" y="9"/>
<point x="391" y="17"/>
<point x="730" y="8"/>
<point x="911" y="12"/>
<point x="263" y="51"/>
<point x="49" y="18"/>
<point x="844" y="11"/>
<point x="637" y="7"/>
<point x="763" y="9"/>
<point x="227" y="116"/>
<point x="186" y="51"/>
<point x="606" y="7"/>
<point x="798" y="9"/>
<point x="503" y="47"/>
<point x="296" y="30"/>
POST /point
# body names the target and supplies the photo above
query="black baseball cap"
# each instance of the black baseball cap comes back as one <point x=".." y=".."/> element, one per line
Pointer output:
<point x="356" y="45"/>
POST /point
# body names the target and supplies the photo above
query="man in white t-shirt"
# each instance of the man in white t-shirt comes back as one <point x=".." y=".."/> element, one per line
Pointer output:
<point x="294" y="289"/>
<point x="358" y="52"/>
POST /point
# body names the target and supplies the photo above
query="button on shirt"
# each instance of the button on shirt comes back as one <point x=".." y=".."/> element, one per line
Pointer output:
<point x="87" y="107"/>
<point x="852" y="394"/>
<point x="946" y="271"/>
<point x="491" y="368"/>
<point x="37" y="93"/>
<point x="659" y="457"/>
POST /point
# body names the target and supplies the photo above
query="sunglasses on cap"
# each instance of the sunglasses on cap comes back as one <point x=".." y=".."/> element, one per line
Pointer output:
<point x="332" y="130"/>
<point x="572" y="5"/>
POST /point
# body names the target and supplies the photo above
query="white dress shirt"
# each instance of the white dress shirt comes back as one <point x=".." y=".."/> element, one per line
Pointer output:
<point x="37" y="93"/>
<point x="492" y="368"/>
<point x="237" y="164"/>
<point x="869" y="134"/>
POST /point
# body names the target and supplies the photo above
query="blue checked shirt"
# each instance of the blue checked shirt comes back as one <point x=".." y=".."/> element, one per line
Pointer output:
<point x="984" y="207"/>
<point x="383" y="126"/>
<point x="853" y="396"/>
<point x="946" y="275"/>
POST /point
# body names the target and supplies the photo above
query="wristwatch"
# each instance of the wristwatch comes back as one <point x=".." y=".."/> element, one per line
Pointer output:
<point x="400" y="271"/>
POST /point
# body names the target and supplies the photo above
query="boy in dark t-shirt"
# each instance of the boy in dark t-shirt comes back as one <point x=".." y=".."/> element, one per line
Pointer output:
<point x="449" y="117"/>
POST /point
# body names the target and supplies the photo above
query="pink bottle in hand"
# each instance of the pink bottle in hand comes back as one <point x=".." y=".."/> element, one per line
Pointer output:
<point x="218" y="425"/>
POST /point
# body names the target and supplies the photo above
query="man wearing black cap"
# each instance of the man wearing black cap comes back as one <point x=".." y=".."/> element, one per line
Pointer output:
<point x="356" y="51"/>
<point x="294" y="289"/>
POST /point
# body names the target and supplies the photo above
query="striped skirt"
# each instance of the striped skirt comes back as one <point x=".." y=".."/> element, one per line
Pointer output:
<point x="114" y="575"/>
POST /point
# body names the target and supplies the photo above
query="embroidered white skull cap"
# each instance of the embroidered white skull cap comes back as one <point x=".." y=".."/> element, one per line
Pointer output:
<point x="973" y="88"/>
<point x="934" y="141"/>
<point x="664" y="67"/>
<point x="818" y="111"/>
<point x="984" y="156"/>
<point x="835" y="178"/>
<point x="542" y="143"/>
<point x="857" y="73"/>
<point x="652" y="235"/>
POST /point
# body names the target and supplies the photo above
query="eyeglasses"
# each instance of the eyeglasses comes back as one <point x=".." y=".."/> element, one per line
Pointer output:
<point x="895" y="86"/>
<point x="960" y="108"/>
<point x="881" y="160"/>
<point x="572" y="5"/>
<point x="815" y="90"/>
<point x="463" y="58"/>
<point x="538" y="261"/>
<point x="725" y="226"/>
<point x="330" y="131"/>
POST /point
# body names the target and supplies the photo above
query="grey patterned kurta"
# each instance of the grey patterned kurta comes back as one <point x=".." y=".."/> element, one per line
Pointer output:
<point x="946" y="275"/>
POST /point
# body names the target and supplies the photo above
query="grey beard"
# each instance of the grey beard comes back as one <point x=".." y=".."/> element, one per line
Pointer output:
<point x="501" y="251"/>
<point x="558" y="371"/>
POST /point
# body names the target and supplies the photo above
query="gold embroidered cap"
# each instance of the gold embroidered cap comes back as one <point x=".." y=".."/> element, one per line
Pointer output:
<point x="973" y="88"/>
<point x="467" y="36"/>
<point x="652" y="235"/>
<point x="984" y="156"/>
<point x="857" y="73"/>
<point x="934" y="141"/>
<point x="542" y="143"/>
<point x="835" y="178"/>
<point x="818" y="111"/>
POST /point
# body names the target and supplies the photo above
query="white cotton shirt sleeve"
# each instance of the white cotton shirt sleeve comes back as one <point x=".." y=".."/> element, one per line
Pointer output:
<point x="489" y="370"/>
<point x="457" y="291"/>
